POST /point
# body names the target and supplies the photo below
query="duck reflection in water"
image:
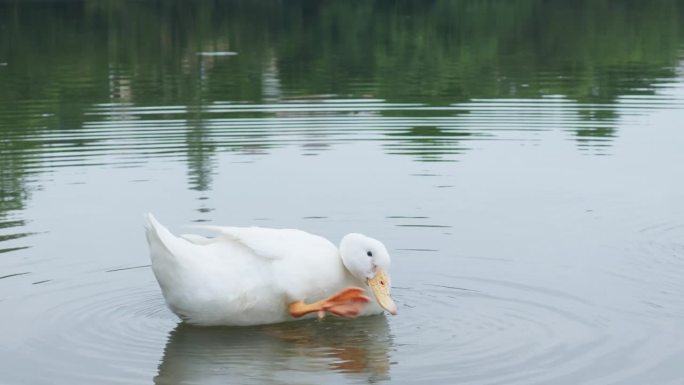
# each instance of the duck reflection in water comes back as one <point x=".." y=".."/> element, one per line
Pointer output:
<point x="294" y="351"/>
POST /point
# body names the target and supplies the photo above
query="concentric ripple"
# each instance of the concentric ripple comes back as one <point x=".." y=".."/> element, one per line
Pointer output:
<point x="488" y="331"/>
<point x="656" y="263"/>
<point x="499" y="332"/>
<point x="96" y="330"/>
<point x="489" y="334"/>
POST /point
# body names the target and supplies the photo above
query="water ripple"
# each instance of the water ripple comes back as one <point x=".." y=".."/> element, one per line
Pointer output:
<point x="497" y="332"/>
<point x="136" y="132"/>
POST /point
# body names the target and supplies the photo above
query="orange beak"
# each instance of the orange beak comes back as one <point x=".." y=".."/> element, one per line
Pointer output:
<point x="380" y="286"/>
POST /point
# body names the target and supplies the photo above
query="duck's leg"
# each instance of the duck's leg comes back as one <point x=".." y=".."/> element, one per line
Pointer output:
<point x="347" y="303"/>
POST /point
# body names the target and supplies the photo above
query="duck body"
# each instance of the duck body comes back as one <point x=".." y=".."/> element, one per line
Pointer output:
<point x="245" y="276"/>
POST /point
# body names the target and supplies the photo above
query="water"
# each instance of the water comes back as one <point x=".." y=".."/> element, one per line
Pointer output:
<point x="520" y="160"/>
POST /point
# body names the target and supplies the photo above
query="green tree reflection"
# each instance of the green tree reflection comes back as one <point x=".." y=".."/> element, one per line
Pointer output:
<point x="58" y="59"/>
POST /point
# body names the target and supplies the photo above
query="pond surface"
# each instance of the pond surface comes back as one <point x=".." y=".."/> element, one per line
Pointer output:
<point x="522" y="161"/>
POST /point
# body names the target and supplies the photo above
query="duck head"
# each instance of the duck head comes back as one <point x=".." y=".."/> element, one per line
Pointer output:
<point x="367" y="259"/>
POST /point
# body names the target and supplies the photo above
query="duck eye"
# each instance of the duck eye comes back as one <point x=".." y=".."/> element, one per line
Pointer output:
<point x="368" y="253"/>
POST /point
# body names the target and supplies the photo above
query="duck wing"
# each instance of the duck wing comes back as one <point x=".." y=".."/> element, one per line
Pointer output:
<point x="304" y="266"/>
<point x="275" y="244"/>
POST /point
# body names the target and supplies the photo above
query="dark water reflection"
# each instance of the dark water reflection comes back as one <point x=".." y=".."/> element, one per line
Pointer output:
<point x="520" y="160"/>
<point x="293" y="352"/>
<point x="68" y="91"/>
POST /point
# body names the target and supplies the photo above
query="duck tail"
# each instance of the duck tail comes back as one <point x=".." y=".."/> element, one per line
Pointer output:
<point x="164" y="246"/>
<point x="153" y="229"/>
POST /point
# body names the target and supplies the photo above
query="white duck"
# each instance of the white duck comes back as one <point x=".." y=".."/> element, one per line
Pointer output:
<point x="254" y="275"/>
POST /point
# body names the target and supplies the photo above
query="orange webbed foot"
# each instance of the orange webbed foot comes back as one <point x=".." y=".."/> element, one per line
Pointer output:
<point x="347" y="303"/>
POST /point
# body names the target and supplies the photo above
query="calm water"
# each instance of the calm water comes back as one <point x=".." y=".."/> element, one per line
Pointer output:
<point x="521" y="160"/>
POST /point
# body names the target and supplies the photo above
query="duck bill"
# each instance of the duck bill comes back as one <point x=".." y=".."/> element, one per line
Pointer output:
<point x="380" y="286"/>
